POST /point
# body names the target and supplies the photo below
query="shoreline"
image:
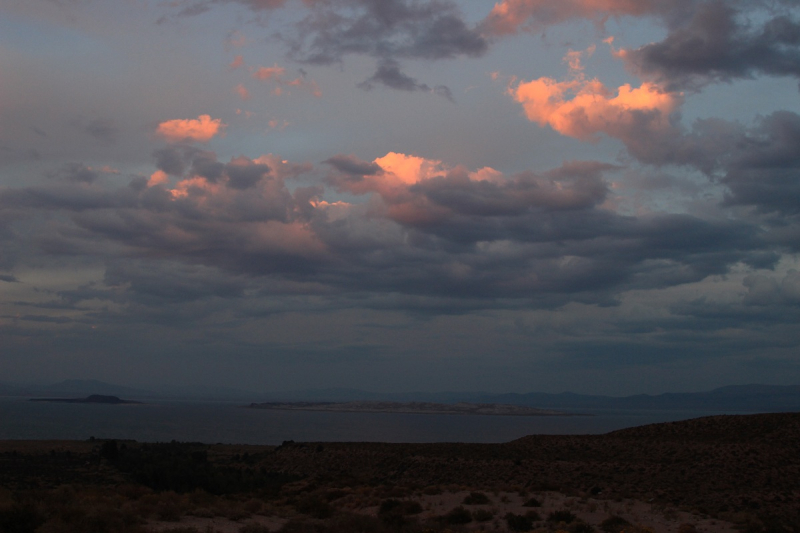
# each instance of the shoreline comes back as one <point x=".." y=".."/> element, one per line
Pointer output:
<point x="427" y="408"/>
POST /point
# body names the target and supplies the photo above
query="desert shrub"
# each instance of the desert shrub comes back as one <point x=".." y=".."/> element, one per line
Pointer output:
<point x="581" y="527"/>
<point x="561" y="516"/>
<point x="432" y="490"/>
<point x="394" y="512"/>
<point x="458" y="515"/>
<point x="341" y="523"/>
<point x="476" y="498"/>
<point x="349" y="523"/>
<point x="314" y="506"/>
<point x="403" y="507"/>
<point x="182" y="467"/>
<point x="254" y="528"/>
<point x="482" y="515"/>
<point x="533" y="502"/>
<point x="518" y="522"/>
<point x="533" y="515"/>
<point x="253" y="506"/>
<point x="299" y="525"/>
<point x="614" y="524"/>
<point x="335" y="494"/>
<point x="687" y="528"/>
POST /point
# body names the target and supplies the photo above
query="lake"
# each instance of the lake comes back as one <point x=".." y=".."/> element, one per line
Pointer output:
<point x="230" y="422"/>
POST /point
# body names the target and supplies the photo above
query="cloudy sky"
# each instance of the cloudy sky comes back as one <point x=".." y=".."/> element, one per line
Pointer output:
<point x="600" y="196"/>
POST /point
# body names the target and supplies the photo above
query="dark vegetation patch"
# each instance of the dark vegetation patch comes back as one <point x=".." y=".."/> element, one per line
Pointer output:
<point x="476" y="498"/>
<point x="184" y="467"/>
<point x="458" y="516"/>
<point x="614" y="524"/>
<point x="518" y="522"/>
<point x="532" y="502"/>
<point x="561" y="516"/>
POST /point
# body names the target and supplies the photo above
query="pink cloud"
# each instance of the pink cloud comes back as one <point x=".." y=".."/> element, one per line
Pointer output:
<point x="201" y="129"/>
<point x="159" y="177"/>
<point x="276" y="74"/>
<point x="237" y="62"/>
<point x="582" y="108"/>
<point x="242" y="91"/>
<point x="269" y="73"/>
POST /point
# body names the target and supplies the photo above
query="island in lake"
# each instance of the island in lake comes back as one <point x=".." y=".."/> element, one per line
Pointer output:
<point x="93" y="398"/>
<point x="463" y="408"/>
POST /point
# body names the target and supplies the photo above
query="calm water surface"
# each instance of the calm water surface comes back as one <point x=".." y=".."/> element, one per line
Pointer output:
<point x="212" y="422"/>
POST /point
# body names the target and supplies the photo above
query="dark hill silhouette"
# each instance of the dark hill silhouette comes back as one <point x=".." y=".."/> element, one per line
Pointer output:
<point x="92" y="398"/>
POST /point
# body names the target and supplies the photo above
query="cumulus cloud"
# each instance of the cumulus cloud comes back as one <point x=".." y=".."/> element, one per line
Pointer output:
<point x="583" y="108"/>
<point x="202" y="129"/>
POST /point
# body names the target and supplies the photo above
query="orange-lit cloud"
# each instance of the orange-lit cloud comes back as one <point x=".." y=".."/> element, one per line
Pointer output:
<point x="277" y="75"/>
<point x="582" y="108"/>
<point x="269" y="73"/>
<point x="511" y="16"/>
<point x="201" y="129"/>
<point x="237" y="62"/>
<point x="418" y="191"/>
<point x="275" y="124"/>
<point x="159" y="177"/>
<point x="235" y="40"/>
<point x="242" y="91"/>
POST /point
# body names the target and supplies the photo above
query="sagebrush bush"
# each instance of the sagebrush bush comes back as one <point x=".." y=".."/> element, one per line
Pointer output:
<point x="476" y="498"/>
<point x="518" y="522"/>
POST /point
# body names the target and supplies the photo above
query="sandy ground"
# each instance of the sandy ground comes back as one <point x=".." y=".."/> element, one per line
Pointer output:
<point x="592" y="511"/>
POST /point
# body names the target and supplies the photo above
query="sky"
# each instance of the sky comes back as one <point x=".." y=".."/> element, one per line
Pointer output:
<point x="600" y="196"/>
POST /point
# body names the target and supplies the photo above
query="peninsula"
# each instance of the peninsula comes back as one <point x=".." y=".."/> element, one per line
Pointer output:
<point x="93" y="398"/>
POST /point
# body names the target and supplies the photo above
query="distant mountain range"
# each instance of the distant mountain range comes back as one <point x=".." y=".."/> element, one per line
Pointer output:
<point x="737" y="398"/>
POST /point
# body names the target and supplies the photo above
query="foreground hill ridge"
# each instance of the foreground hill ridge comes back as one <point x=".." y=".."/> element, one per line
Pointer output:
<point x="741" y="469"/>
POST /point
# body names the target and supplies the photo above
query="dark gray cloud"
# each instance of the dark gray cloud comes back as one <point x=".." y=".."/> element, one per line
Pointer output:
<point x="723" y="41"/>
<point x="75" y="172"/>
<point x="389" y="75"/>
<point x="350" y="164"/>
<point x="173" y="159"/>
<point x="8" y="278"/>
<point x="763" y="169"/>
<point x="759" y="164"/>
<point x="102" y="129"/>
<point x="388" y="30"/>
<point x="384" y="29"/>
